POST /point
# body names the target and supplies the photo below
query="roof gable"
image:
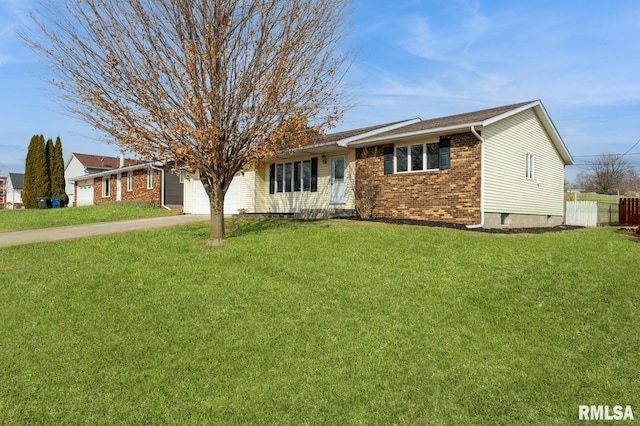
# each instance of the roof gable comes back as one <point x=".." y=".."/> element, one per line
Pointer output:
<point x="17" y="180"/>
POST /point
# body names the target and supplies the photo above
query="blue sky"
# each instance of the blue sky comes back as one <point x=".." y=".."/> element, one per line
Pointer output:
<point x="417" y="58"/>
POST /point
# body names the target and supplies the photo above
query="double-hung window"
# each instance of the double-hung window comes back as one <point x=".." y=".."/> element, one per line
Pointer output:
<point x="106" y="186"/>
<point x="529" y="166"/>
<point x="418" y="157"/>
<point x="129" y="181"/>
<point x="298" y="176"/>
<point x="149" y="178"/>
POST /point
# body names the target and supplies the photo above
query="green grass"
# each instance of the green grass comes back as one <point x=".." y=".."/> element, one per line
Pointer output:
<point x="18" y="220"/>
<point x="320" y="323"/>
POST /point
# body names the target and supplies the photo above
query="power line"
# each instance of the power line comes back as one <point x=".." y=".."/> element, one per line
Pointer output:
<point x="621" y="155"/>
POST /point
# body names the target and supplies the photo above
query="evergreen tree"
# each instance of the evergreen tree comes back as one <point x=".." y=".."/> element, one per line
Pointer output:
<point x="56" y="167"/>
<point x="48" y="155"/>
<point x="36" y="173"/>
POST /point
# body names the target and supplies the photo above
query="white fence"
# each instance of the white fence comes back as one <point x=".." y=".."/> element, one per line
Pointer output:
<point x="590" y="213"/>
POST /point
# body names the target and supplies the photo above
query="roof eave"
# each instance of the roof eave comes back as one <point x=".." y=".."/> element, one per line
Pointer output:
<point x="115" y="171"/>
<point x="415" y="135"/>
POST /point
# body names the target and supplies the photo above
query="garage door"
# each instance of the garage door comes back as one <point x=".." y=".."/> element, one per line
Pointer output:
<point x="200" y="200"/>
<point x="84" y="193"/>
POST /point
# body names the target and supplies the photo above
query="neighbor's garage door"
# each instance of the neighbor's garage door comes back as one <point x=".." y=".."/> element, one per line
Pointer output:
<point x="84" y="193"/>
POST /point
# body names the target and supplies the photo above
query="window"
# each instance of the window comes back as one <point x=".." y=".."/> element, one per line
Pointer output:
<point x="129" y="181"/>
<point x="149" y="178"/>
<point x="529" y="166"/>
<point x="294" y="177"/>
<point x="425" y="156"/>
<point x="106" y="187"/>
<point x="388" y="160"/>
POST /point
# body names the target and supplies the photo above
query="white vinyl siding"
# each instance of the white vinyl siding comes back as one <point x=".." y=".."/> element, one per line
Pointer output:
<point x="293" y="202"/>
<point x="248" y="190"/>
<point x="506" y="186"/>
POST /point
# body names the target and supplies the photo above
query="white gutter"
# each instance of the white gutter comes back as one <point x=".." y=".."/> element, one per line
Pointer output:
<point x="162" y="188"/>
<point x="481" y="224"/>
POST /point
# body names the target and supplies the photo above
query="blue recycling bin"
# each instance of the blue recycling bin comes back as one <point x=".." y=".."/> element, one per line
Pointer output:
<point x="55" y="202"/>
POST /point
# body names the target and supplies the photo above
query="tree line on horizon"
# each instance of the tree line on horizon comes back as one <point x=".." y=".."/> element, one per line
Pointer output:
<point x="608" y="174"/>
<point x="43" y="172"/>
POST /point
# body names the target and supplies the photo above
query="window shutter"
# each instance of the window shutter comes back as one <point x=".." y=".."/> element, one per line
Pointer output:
<point x="297" y="176"/>
<point x="388" y="160"/>
<point x="314" y="174"/>
<point x="272" y="178"/>
<point x="445" y="153"/>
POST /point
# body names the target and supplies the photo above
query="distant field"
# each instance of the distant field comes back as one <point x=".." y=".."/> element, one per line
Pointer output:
<point x="18" y="220"/>
<point x="328" y="322"/>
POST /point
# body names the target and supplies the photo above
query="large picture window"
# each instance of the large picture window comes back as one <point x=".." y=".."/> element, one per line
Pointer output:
<point x="297" y="176"/>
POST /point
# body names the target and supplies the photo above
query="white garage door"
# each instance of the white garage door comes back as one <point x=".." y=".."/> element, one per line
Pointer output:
<point x="84" y="193"/>
<point x="200" y="200"/>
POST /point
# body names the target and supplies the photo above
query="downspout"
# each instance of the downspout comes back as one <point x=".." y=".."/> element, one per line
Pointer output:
<point x="162" y="188"/>
<point x="481" y="224"/>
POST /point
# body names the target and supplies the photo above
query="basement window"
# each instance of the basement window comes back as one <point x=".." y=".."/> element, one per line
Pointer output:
<point x="504" y="218"/>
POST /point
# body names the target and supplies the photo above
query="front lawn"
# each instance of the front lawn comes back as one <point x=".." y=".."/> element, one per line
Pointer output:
<point x="329" y="322"/>
<point x="19" y="220"/>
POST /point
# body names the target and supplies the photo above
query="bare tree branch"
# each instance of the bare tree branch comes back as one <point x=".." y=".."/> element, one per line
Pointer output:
<point x="213" y="84"/>
<point x="608" y="173"/>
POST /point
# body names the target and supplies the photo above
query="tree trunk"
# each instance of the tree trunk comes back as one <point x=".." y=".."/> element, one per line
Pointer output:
<point x="216" y="200"/>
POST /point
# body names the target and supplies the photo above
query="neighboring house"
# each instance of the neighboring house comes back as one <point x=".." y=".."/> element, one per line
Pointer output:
<point x="13" y="191"/>
<point x="85" y="164"/>
<point x="491" y="168"/>
<point x="147" y="182"/>
<point x="3" y="180"/>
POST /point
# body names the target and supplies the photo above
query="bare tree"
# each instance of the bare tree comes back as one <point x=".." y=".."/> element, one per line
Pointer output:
<point x="607" y="173"/>
<point x="210" y="84"/>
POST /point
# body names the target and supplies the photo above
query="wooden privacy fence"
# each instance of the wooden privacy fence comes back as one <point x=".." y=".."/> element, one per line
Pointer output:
<point x="590" y="213"/>
<point x="629" y="213"/>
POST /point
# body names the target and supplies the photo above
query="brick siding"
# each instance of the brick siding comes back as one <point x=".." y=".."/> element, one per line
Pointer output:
<point x="451" y="195"/>
<point x="139" y="192"/>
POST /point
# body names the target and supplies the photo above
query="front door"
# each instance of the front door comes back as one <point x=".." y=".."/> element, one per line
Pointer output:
<point x="336" y="180"/>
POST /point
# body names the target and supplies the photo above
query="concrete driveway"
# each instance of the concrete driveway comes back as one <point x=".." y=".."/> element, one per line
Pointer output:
<point x="80" y="231"/>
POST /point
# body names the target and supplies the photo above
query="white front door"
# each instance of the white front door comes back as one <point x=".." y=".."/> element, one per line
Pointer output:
<point x="337" y="167"/>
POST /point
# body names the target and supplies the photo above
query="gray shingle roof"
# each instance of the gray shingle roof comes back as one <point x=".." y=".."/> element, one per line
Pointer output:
<point x="468" y="118"/>
<point x="17" y="180"/>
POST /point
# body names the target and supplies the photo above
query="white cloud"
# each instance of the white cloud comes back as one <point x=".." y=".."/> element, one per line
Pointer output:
<point x="13" y="15"/>
<point x="582" y="57"/>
